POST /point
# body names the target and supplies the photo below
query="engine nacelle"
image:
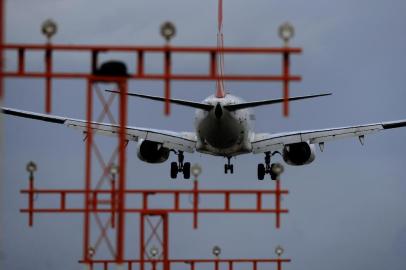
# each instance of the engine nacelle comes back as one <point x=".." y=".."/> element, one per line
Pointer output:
<point x="299" y="153"/>
<point x="152" y="152"/>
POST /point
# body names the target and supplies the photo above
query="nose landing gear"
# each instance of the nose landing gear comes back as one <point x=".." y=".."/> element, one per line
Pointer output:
<point x="177" y="167"/>
<point x="228" y="166"/>
<point x="274" y="169"/>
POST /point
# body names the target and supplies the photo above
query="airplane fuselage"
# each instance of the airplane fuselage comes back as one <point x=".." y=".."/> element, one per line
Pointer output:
<point x="221" y="132"/>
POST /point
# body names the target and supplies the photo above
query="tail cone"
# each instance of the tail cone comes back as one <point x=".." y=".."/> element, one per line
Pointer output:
<point x="218" y="111"/>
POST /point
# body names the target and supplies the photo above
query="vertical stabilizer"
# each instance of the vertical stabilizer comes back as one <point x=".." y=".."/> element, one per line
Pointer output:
<point x="220" y="93"/>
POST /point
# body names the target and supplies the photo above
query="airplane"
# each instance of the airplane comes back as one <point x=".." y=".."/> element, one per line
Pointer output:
<point x="223" y="127"/>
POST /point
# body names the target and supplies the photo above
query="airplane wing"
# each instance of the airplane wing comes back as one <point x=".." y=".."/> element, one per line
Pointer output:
<point x="181" y="141"/>
<point x="265" y="142"/>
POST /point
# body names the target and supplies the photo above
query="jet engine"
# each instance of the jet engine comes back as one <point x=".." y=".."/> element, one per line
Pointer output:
<point x="299" y="153"/>
<point x="152" y="152"/>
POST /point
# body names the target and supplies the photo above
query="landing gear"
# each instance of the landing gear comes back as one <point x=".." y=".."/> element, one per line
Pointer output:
<point x="274" y="169"/>
<point x="228" y="166"/>
<point x="177" y="167"/>
<point x="174" y="170"/>
<point x="186" y="170"/>
<point x="261" y="171"/>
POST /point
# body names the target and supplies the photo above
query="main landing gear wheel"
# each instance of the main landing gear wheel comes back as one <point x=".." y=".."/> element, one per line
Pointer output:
<point x="186" y="170"/>
<point x="261" y="171"/>
<point x="228" y="166"/>
<point x="174" y="170"/>
<point x="274" y="169"/>
<point x="180" y="167"/>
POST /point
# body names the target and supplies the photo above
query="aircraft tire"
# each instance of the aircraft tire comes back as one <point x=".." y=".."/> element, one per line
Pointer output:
<point x="186" y="170"/>
<point x="261" y="171"/>
<point x="174" y="170"/>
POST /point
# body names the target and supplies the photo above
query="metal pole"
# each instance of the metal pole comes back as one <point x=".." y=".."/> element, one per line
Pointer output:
<point x="31" y="201"/>
<point x="286" y="75"/>
<point x="279" y="264"/>
<point x="88" y="173"/>
<point x="140" y="64"/>
<point x="195" y="204"/>
<point x="167" y="82"/>
<point x="278" y="204"/>
<point x="122" y="173"/>
<point x="113" y="201"/>
<point x="213" y="64"/>
<point x="165" y="244"/>
<point x="142" y="240"/>
<point x="95" y="55"/>
<point x="48" y="82"/>
<point x="2" y="35"/>
<point x="216" y="265"/>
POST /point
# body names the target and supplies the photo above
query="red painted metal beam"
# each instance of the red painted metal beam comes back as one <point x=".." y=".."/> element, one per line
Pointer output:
<point x="167" y="76"/>
<point x="108" y="206"/>
<point x="120" y="246"/>
<point x="161" y="191"/>
<point x="88" y="173"/>
<point x="193" y="264"/>
<point x="174" y="49"/>
<point x="179" y="77"/>
<point x="138" y="211"/>
<point x="286" y="73"/>
<point x="202" y="261"/>
<point x="2" y="36"/>
<point x="31" y="202"/>
<point x="48" y="80"/>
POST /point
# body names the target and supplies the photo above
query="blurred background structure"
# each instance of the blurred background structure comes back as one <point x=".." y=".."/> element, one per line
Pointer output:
<point x="106" y="206"/>
<point x="346" y="208"/>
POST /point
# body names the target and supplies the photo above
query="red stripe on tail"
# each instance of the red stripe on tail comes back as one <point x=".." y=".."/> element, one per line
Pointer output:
<point x="220" y="93"/>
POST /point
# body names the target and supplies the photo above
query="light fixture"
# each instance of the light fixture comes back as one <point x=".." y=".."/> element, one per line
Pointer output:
<point x="49" y="28"/>
<point x="279" y="251"/>
<point x="277" y="168"/>
<point x="216" y="251"/>
<point x="113" y="170"/>
<point x="91" y="252"/>
<point x="196" y="170"/>
<point x="153" y="251"/>
<point x="286" y="32"/>
<point x="168" y="31"/>
<point x="31" y="167"/>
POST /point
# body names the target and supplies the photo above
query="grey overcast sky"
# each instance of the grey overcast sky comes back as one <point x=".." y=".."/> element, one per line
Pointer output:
<point x="346" y="209"/>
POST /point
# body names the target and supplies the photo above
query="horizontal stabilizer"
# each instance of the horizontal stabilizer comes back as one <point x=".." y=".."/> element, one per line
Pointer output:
<point x="245" y="105"/>
<point x="187" y="103"/>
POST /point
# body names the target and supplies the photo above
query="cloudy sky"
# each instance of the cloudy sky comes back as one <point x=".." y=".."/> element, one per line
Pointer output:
<point x="346" y="208"/>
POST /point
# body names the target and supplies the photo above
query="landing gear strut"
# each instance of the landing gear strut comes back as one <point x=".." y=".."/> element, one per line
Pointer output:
<point x="177" y="167"/>
<point x="228" y="166"/>
<point x="274" y="169"/>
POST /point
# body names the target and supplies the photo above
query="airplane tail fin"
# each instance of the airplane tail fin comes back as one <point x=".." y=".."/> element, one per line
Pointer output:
<point x="220" y="93"/>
